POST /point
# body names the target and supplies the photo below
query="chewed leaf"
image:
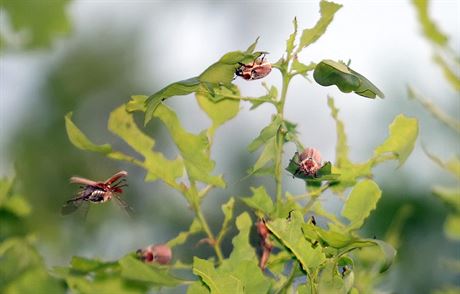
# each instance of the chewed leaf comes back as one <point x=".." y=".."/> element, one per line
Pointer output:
<point x="218" y="111"/>
<point x="430" y="29"/>
<point x="180" y="239"/>
<point x="136" y="270"/>
<point x="80" y="140"/>
<point x="217" y="283"/>
<point x="157" y="165"/>
<point x="260" y="201"/>
<point x="180" y="88"/>
<point x="362" y="200"/>
<point x="401" y="140"/>
<point x="309" y="36"/>
<point x="193" y="148"/>
<point x="341" y="150"/>
<point x="289" y="232"/>
<point x="329" y="72"/>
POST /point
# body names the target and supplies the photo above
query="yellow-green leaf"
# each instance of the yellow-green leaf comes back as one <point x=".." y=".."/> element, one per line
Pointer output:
<point x="260" y="201"/>
<point x="309" y="36"/>
<point x="430" y="29"/>
<point x="79" y="140"/>
<point x="219" y="112"/>
<point x="137" y="270"/>
<point x="193" y="148"/>
<point x="122" y="124"/>
<point x="362" y="200"/>
<point x="289" y="232"/>
<point x="401" y="140"/>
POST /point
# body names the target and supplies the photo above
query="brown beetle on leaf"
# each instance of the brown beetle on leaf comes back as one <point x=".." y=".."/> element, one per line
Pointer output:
<point x="258" y="69"/>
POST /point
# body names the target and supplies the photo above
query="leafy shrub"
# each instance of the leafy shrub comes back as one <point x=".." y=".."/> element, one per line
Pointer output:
<point x="297" y="253"/>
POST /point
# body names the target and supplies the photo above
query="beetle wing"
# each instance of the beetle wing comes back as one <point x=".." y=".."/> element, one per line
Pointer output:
<point x="71" y="206"/>
<point x="116" y="177"/>
<point x="83" y="181"/>
<point x="123" y="204"/>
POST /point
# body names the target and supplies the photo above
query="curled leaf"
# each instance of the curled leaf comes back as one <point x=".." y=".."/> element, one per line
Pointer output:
<point x="329" y="72"/>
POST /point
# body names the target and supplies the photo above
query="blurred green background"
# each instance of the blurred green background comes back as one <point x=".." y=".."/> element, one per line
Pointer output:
<point x="91" y="56"/>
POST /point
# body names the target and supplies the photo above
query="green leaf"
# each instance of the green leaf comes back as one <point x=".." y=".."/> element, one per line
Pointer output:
<point x="362" y="200"/>
<point x="401" y="140"/>
<point x="289" y="232"/>
<point x="37" y="30"/>
<point x="137" y="103"/>
<point x="268" y="154"/>
<point x="36" y="277"/>
<point x="302" y="69"/>
<point x="223" y="71"/>
<point x="329" y="72"/>
<point x="134" y="269"/>
<point x="220" y="73"/>
<point x="284" y="207"/>
<point x="334" y="238"/>
<point x="123" y="125"/>
<point x="242" y="262"/>
<point x="252" y="47"/>
<point x="193" y="148"/>
<point x="290" y="41"/>
<point x="260" y="201"/>
<point x="227" y="209"/>
<point x="197" y="287"/>
<point x="309" y="36"/>
<point x="242" y="249"/>
<point x="180" y="88"/>
<point x="79" y="284"/>
<point x="389" y="253"/>
<point x="330" y="281"/>
<point x="341" y="149"/>
<point x="79" y="140"/>
<point x="217" y="283"/>
<point x="86" y="265"/>
<point x="430" y="29"/>
<point x="266" y="134"/>
<point x="180" y="239"/>
<point x="452" y="227"/>
<point x="219" y="112"/>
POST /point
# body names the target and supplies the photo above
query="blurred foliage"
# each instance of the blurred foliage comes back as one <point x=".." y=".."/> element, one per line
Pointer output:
<point x="449" y="63"/>
<point x="35" y="24"/>
<point x="22" y="265"/>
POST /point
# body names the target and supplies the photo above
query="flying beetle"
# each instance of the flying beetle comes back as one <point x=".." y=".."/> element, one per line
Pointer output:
<point x="98" y="192"/>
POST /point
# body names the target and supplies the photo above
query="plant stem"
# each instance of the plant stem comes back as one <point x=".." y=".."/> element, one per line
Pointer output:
<point x="280" y="136"/>
<point x="208" y="232"/>
<point x="204" y="224"/>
